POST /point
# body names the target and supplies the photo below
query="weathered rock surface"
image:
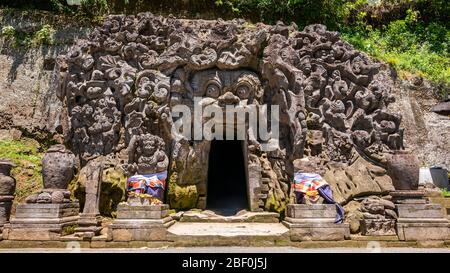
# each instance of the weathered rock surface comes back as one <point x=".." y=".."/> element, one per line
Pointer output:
<point x="379" y="217"/>
<point x="425" y="131"/>
<point x="353" y="216"/>
<point x="27" y="79"/>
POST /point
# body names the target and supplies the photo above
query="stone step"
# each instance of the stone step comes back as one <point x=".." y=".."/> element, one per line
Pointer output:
<point x="227" y="233"/>
<point x="243" y="217"/>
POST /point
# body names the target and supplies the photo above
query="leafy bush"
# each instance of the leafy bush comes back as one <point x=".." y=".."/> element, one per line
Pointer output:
<point x="409" y="45"/>
<point x="8" y="32"/>
<point x="44" y="35"/>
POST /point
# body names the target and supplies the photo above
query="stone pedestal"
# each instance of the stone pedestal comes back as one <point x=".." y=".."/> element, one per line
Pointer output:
<point x="90" y="222"/>
<point x="5" y="210"/>
<point x="141" y="223"/>
<point x="7" y="189"/>
<point x="89" y="225"/>
<point x="42" y="221"/>
<point x="314" y="222"/>
<point x="419" y="220"/>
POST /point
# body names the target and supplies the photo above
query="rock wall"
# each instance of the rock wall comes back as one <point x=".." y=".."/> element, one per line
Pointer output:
<point x="27" y="79"/>
<point x="426" y="133"/>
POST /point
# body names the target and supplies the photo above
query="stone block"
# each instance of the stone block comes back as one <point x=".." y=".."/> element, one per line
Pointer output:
<point x="124" y="230"/>
<point x="419" y="211"/>
<point x="41" y="222"/>
<point x="140" y="223"/>
<point x="314" y="222"/>
<point x="424" y="231"/>
<point x="318" y="231"/>
<point x="311" y="211"/>
<point x="378" y="227"/>
<point x="5" y="209"/>
<point x="26" y="211"/>
<point x="125" y="211"/>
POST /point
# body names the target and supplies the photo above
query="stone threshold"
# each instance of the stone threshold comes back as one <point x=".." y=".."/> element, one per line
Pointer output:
<point x="363" y="244"/>
<point x="228" y="229"/>
<point x="208" y="216"/>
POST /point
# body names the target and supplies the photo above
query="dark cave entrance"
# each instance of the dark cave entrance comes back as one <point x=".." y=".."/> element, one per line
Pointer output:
<point x="227" y="182"/>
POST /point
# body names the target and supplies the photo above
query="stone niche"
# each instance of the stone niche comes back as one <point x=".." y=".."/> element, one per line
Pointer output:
<point x="133" y="72"/>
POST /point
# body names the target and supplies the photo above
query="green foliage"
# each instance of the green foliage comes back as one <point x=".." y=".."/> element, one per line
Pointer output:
<point x="445" y="193"/>
<point x="303" y="12"/>
<point x="94" y="8"/>
<point x="409" y="45"/>
<point x="44" y="36"/>
<point x="8" y="32"/>
<point x="69" y="229"/>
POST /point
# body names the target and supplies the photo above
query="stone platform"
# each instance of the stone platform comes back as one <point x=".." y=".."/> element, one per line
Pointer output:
<point x="314" y="223"/>
<point x="419" y="222"/>
<point x="140" y="223"/>
<point x="42" y="221"/>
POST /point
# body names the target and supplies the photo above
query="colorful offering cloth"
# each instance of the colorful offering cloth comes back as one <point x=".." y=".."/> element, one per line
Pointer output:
<point x="312" y="185"/>
<point x="308" y="183"/>
<point x="151" y="184"/>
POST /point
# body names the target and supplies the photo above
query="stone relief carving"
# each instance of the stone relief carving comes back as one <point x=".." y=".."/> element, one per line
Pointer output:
<point x="120" y="85"/>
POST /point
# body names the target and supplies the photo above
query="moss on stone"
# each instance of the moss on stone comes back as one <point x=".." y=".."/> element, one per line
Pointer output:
<point x="112" y="191"/>
<point x="275" y="204"/>
<point x="181" y="197"/>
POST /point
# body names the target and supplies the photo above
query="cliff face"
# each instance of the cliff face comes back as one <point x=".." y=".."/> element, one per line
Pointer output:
<point x="28" y="102"/>
<point x="426" y="133"/>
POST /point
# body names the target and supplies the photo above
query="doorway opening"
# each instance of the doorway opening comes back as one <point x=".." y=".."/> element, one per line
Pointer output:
<point x="227" y="183"/>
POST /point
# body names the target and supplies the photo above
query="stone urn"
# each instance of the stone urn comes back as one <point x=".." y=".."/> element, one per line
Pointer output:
<point x="58" y="167"/>
<point x="7" y="189"/>
<point x="403" y="167"/>
<point x="7" y="183"/>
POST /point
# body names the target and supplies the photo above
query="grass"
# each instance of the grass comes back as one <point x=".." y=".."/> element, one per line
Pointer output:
<point x="26" y="155"/>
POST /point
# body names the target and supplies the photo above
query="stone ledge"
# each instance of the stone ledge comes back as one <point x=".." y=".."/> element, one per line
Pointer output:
<point x="388" y="238"/>
<point x="29" y="222"/>
<point x="419" y="211"/>
<point x="310" y="220"/>
<point x="318" y="231"/>
<point x="423" y="231"/>
<point x="311" y="211"/>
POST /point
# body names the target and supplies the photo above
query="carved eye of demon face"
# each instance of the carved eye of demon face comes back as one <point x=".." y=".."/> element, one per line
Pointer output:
<point x="213" y="89"/>
<point x="243" y="91"/>
<point x="236" y="84"/>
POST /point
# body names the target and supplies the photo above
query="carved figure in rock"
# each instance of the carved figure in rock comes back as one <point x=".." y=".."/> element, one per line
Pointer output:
<point x="147" y="166"/>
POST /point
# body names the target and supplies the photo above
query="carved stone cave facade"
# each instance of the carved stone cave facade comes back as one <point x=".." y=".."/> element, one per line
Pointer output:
<point x="119" y="88"/>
